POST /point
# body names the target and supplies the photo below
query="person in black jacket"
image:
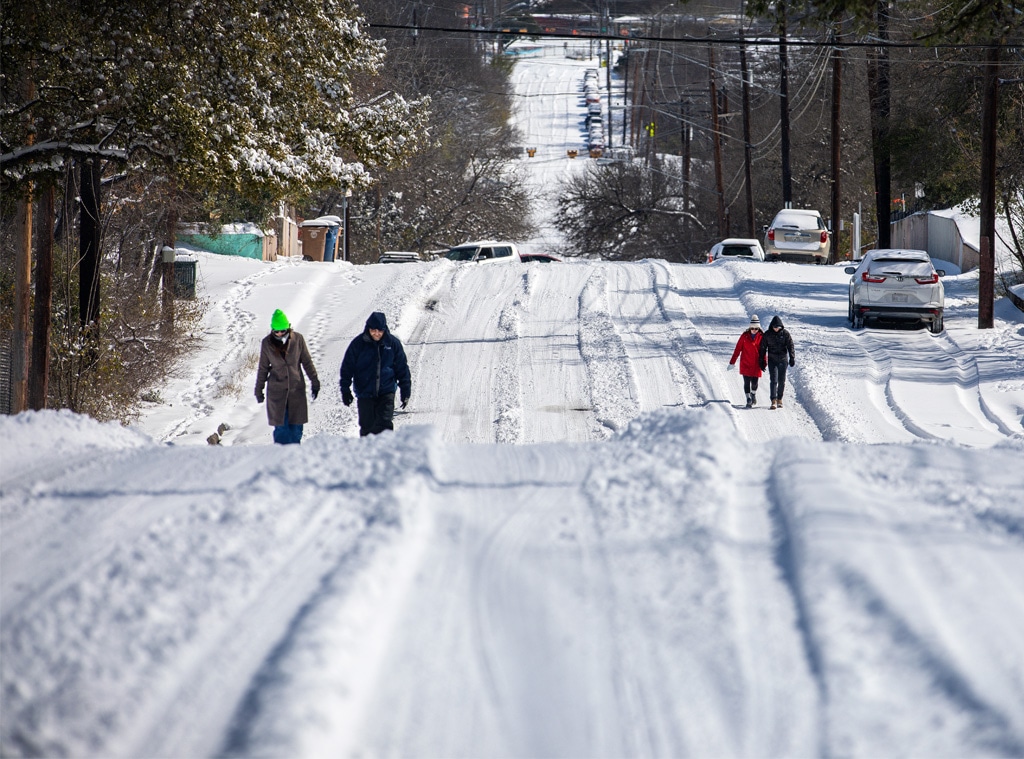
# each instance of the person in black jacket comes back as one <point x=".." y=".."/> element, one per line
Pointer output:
<point x="776" y="351"/>
<point x="375" y="364"/>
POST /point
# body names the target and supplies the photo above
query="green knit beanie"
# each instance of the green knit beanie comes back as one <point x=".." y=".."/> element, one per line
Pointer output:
<point x="279" y="321"/>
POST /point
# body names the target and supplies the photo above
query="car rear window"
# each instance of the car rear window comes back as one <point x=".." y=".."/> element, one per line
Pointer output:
<point x="799" y="221"/>
<point x="903" y="266"/>
<point x="737" y="250"/>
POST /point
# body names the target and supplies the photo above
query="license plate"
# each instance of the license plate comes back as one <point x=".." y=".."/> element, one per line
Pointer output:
<point x="899" y="298"/>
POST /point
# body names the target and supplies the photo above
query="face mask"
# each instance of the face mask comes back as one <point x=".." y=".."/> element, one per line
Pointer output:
<point x="281" y="338"/>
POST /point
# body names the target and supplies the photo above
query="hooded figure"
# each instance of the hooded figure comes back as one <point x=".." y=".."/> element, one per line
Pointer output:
<point x="746" y="351"/>
<point x="282" y="353"/>
<point x="775" y="353"/>
<point x="376" y="366"/>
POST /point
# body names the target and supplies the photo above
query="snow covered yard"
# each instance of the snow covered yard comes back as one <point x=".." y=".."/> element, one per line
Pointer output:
<point x="577" y="543"/>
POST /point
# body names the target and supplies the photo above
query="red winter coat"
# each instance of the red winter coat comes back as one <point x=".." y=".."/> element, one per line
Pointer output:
<point x="747" y="348"/>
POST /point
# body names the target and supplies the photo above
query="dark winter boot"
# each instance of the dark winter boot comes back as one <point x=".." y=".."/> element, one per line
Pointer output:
<point x="750" y="400"/>
<point x="753" y="399"/>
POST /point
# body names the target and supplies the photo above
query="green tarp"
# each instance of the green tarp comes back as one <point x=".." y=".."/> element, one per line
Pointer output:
<point x="246" y="245"/>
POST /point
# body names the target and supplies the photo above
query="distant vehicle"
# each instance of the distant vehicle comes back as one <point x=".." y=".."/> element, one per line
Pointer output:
<point x="797" y="235"/>
<point x="896" y="285"/>
<point x="737" y="247"/>
<point x="398" y="257"/>
<point x="544" y="258"/>
<point x="484" y="252"/>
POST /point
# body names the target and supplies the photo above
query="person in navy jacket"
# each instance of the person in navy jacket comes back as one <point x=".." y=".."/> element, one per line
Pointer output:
<point x="375" y="365"/>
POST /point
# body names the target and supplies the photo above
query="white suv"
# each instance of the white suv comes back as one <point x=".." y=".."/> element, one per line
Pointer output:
<point x="484" y="252"/>
<point x="896" y="285"/>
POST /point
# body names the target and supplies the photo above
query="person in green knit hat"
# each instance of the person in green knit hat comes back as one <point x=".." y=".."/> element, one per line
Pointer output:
<point x="282" y="353"/>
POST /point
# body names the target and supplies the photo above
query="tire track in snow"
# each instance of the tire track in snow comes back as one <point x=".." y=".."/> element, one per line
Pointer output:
<point x="613" y="388"/>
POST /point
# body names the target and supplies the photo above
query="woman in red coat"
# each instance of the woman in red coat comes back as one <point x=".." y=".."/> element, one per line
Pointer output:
<point x="747" y="350"/>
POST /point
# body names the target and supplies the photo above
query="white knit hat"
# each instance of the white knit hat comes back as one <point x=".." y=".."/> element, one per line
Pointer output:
<point x="755" y="322"/>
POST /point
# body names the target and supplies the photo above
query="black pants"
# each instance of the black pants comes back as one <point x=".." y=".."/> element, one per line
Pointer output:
<point x="376" y="414"/>
<point x="777" y="379"/>
<point x="749" y="384"/>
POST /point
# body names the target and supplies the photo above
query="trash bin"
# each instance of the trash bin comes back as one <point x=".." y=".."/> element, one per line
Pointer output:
<point x="185" y="278"/>
<point x="331" y="243"/>
<point x="313" y="235"/>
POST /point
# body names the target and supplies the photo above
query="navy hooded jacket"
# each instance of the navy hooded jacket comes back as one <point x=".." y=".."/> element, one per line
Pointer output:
<point x="376" y="368"/>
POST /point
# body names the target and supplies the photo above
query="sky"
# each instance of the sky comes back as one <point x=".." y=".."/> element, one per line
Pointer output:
<point x="578" y="542"/>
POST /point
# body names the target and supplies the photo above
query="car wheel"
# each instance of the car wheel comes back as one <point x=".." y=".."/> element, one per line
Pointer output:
<point x="858" y="321"/>
<point x="936" y="326"/>
<point x="849" y="312"/>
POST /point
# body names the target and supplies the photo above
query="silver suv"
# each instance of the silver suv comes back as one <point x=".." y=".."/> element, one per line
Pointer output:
<point x="896" y="285"/>
<point x="798" y="235"/>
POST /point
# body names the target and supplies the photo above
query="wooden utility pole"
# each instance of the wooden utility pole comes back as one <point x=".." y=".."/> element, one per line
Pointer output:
<point x="787" y="173"/>
<point x="987" y="260"/>
<point x="837" y="89"/>
<point x="748" y="148"/>
<point x="717" y="141"/>
<point x="89" y="228"/>
<point x="22" y="298"/>
<point x="878" y="89"/>
<point x="39" y="376"/>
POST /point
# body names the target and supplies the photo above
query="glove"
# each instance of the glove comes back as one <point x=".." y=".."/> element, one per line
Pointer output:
<point x="764" y="365"/>
<point x="315" y="390"/>
<point x="346" y="396"/>
<point x="792" y="362"/>
<point x="259" y="396"/>
<point x="730" y="367"/>
<point x="405" y="401"/>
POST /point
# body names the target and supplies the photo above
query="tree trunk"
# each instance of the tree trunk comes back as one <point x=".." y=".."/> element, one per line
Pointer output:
<point x="39" y="377"/>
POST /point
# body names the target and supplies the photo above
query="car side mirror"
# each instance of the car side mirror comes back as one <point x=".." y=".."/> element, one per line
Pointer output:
<point x="850" y="269"/>
<point x="941" y="272"/>
<point x="764" y="228"/>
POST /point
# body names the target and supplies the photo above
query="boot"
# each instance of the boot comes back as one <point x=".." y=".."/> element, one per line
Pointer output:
<point x="778" y="403"/>
<point x="750" y="400"/>
<point x="753" y="399"/>
<point x="773" y="403"/>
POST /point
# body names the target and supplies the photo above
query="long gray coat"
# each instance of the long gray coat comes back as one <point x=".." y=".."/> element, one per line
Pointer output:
<point x="279" y="371"/>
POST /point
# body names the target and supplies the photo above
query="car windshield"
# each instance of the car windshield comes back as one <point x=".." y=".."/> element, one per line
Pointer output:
<point x="462" y="254"/>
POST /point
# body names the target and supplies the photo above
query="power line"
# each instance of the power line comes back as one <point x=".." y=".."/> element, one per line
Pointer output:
<point x="738" y="41"/>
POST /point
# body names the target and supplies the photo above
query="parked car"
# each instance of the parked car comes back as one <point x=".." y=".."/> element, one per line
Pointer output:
<point x="896" y="285"/>
<point x="544" y="258"/>
<point x="484" y="252"/>
<point x="398" y="257"/>
<point x="737" y="247"/>
<point x="797" y="235"/>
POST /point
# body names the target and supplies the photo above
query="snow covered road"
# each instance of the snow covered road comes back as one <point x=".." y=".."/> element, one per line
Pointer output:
<point x="577" y="543"/>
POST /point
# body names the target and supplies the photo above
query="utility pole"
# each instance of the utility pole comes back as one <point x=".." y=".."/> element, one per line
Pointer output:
<point x="716" y="137"/>
<point x="837" y="87"/>
<point x="987" y="261"/>
<point x="747" y="147"/>
<point x="39" y="374"/>
<point x="787" y="174"/>
<point x="878" y="89"/>
<point x="22" y="296"/>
